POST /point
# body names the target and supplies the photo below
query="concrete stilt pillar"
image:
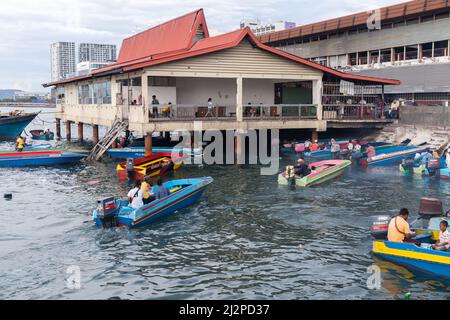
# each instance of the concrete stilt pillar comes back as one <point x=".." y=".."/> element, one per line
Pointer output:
<point x="58" y="129"/>
<point x="80" y="132"/>
<point x="68" y="130"/>
<point x="315" y="136"/>
<point x="95" y="136"/>
<point x="148" y="144"/>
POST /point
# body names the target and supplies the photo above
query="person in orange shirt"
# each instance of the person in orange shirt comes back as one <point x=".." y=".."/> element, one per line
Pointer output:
<point x="314" y="146"/>
<point x="398" y="229"/>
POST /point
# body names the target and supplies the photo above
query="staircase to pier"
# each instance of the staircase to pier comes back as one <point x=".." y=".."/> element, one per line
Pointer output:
<point x="102" y="146"/>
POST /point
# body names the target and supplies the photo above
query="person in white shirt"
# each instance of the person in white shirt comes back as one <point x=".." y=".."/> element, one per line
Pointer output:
<point x="210" y="108"/>
<point x="136" y="196"/>
<point x="444" y="237"/>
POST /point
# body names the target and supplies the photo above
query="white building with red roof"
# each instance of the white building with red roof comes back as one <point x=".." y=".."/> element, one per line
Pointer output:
<point x="250" y="85"/>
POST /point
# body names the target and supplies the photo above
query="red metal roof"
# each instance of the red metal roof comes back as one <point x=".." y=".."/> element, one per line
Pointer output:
<point x="147" y="55"/>
<point x="401" y="10"/>
<point x="172" y="36"/>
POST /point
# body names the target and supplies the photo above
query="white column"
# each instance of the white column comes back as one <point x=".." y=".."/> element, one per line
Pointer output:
<point x="144" y="90"/>
<point x="113" y="91"/>
<point x="239" y="100"/>
<point x="317" y="97"/>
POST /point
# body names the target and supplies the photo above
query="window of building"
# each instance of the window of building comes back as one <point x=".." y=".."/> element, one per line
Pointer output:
<point x="386" y="26"/>
<point x="363" y="30"/>
<point x="427" y="18"/>
<point x="399" y="24"/>
<point x="352" y="31"/>
<point x="412" y="21"/>
<point x="411" y="53"/>
<point x="102" y="92"/>
<point x="316" y="38"/>
<point x="374" y="55"/>
<point x="427" y="50"/>
<point x="162" y="82"/>
<point x="441" y="48"/>
<point x="85" y="94"/>
<point x="352" y="59"/>
<point x="362" y="58"/>
<point x="323" y="37"/>
<point x="399" y="53"/>
<point x="441" y="16"/>
<point x="385" y="55"/>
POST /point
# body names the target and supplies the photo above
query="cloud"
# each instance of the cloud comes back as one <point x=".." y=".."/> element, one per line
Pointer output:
<point x="28" y="27"/>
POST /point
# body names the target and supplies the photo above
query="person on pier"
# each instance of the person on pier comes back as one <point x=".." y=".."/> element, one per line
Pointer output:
<point x="155" y="104"/>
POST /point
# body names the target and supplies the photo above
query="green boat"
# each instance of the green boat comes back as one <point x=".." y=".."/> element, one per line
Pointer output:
<point x="321" y="172"/>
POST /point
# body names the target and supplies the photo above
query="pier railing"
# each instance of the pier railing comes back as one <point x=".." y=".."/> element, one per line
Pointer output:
<point x="181" y="112"/>
<point x="351" y="112"/>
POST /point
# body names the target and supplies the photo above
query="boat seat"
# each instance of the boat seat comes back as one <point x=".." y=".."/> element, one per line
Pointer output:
<point x="175" y="189"/>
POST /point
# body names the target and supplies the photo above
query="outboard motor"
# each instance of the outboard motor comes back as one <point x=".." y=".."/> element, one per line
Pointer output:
<point x="430" y="208"/>
<point x="290" y="175"/>
<point x="379" y="228"/>
<point x="408" y="165"/>
<point x="434" y="166"/>
<point x="130" y="167"/>
<point x="107" y="210"/>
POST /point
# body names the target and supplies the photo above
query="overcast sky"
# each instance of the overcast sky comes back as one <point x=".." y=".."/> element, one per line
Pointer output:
<point x="28" y="27"/>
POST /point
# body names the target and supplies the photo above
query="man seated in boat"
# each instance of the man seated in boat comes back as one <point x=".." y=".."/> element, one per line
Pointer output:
<point x="136" y="195"/>
<point x="444" y="238"/>
<point x="161" y="190"/>
<point x="370" y="151"/>
<point x="147" y="189"/>
<point x="399" y="229"/>
<point x="301" y="169"/>
<point x="20" y="143"/>
<point x="314" y="146"/>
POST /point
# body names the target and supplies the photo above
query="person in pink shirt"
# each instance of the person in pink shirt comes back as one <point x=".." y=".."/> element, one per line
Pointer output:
<point x="370" y="151"/>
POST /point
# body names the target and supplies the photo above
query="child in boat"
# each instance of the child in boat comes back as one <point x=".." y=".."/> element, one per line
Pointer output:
<point x="444" y="238"/>
<point x="136" y="195"/>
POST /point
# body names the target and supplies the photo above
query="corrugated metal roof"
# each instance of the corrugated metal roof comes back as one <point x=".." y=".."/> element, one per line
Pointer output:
<point x="359" y="19"/>
<point x="148" y="55"/>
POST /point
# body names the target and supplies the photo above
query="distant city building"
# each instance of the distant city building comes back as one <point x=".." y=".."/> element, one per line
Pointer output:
<point x="87" y="66"/>
<point x="32" y="95"/>
<point x="258" y="28"/>
<point x="63" y="60"/>
<point x="93" y="52"/>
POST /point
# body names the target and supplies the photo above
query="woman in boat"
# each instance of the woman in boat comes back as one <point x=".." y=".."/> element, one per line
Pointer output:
<point x="135" y="196"/>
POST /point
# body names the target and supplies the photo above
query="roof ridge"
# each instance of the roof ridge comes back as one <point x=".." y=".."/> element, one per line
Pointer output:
<point x="165" y="22"/>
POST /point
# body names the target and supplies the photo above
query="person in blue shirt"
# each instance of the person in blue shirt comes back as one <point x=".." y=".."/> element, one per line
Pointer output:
<point x="161" y="190"/>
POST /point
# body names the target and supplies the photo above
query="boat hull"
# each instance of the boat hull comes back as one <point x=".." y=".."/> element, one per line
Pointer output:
<point x="391" y="158"/>
<point x="338" y="167"/>
<point x="40" y="159"/>
<point x="11" y="127"/>
<point x="413" y="257"/>
<point x="164" y="207"/>
<point x="445" y="174"/>
<point x="136" y="153"/>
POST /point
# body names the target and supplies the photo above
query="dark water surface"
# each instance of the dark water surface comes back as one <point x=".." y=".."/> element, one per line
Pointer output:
<point x="247" y="238"/>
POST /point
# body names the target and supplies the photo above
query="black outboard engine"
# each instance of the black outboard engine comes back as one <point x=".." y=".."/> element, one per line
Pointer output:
<point x="408" y="164"/>
<point x="107" y="211"/>
<point x="430" y="208"/>
<point x="379" y="228"/>
<point x="434" y="166"/>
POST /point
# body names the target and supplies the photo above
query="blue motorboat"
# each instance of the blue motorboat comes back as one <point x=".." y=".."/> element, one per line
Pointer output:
<point x="12" y="125"/>
<point x="139" y="152"/>
<point x="38" y="158"/>
<point x="393" y="156"/>
<point x="112" y="212"/>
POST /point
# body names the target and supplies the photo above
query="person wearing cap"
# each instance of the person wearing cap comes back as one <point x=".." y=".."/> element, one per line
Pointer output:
<point x="314" y="146"/>
<point x="301" y="169"/>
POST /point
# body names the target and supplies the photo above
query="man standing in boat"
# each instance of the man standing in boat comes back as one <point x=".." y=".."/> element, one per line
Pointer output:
<point x="399" y="229"/>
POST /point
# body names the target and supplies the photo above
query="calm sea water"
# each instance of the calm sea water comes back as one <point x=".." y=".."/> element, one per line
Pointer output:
<point x="247" y="238"/>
